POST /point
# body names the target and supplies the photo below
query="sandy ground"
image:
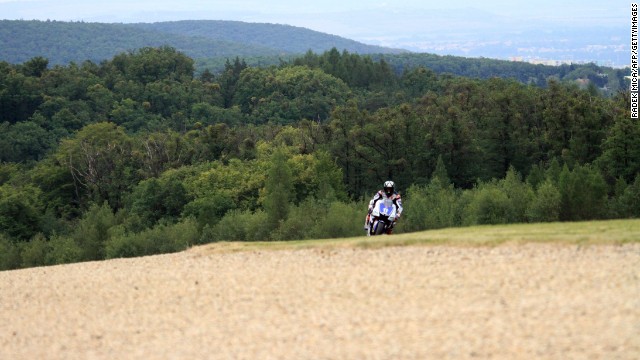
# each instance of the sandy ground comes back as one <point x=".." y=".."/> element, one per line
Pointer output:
<point x="508" y="302"/>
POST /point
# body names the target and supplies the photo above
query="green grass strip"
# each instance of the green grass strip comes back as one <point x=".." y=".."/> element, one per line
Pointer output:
<point x="608" y="232"/>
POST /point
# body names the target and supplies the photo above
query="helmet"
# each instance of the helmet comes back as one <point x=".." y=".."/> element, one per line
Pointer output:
<point x="389" y="187"/>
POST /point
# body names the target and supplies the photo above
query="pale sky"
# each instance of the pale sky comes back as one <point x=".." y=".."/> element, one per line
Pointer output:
<point x="317" y="15"/>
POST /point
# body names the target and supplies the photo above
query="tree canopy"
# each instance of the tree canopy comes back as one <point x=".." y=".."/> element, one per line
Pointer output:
<point x="140" y="154"/>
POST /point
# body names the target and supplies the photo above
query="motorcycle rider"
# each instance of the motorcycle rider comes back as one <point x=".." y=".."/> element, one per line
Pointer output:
<point x="387" y="192"/>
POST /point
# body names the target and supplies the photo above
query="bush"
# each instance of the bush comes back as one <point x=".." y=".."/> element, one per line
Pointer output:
<point x="123" y="245"/>
<point x="416" y="208"/>
<point x="583" y="192"/>
<point x="519" y="194"/>
<point x="19" y="214"/>
<point x="179" y="236"/>
<point x="489" y="205"/>
<point x="340" y="220"/>
<point x="628" y="203"/>
<point x="545" y="206"/>
<point x="63" y="250"/>
<point x="158" y="199"/>
<point x="160" y="239"/>
<point x="256" y="230"/>
<point x="9" y="254"/>
<point x="244" y="225"/>
<point x="92" y="231"/>
<point x="34" y="253"/>
<point x="209" y="210"/>
<point x="430" y="207"/>
<point x="301" y="219"/>
<point x="232" y="227"/>
<point x="207" y="235"/>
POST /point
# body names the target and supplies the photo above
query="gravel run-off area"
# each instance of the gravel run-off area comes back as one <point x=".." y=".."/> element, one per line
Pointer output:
<point x="531" y="301"/>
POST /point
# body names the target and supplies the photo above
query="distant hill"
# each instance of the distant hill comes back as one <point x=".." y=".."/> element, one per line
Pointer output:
<point x="211" y="42"/>
<point x="63" y="42"/>
<point x="285" y="38"/>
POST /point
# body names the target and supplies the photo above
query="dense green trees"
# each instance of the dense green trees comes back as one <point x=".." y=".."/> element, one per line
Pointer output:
<point x="211" y="40"/>
<point x="279" y="95"/>
<point x="278" y="189"/>
<point x="137" y="156"/>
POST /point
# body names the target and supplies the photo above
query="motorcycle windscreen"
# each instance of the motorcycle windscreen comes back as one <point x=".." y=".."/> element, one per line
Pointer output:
<point x="385" y="208"/>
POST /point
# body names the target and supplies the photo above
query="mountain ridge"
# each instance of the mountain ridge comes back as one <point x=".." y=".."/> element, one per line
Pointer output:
<point x="62" y="42"/>
<point x="238" y="31"/>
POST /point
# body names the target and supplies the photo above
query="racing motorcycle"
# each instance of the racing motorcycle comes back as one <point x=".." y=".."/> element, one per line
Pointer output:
<point x="382" y="217"/>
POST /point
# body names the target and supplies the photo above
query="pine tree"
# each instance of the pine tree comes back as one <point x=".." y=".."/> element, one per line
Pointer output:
<point x="278" y="190"/>
<point x="440" y="172"/>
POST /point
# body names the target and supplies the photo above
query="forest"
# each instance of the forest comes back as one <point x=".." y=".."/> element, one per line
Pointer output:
<point x="63" y="42"/>
<point x="211" y="42"/>
<point x="142" y="154"/>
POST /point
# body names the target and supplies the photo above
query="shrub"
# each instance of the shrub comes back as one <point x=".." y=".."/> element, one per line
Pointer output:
<point x="160" y="239"/>
<point x="232" y="227"/>
<point x="490" y="205"/>
<point x="63" y="250"/>
<point x="19" y="214"/>
<point x="256" y="230"/>
<point x="158" y="199"/>
<point x="209" y="210"/>
<point x="300" y="221"/>
<point x="416" y="208"/>
<point x="34" y="252"/>
<point x="430" y="207"/>
<point x="9" y="254"/>
<point x="340" y="220"/>
<point x="239" y="225"/>
<point x="207" y="235"/>
<point x="545" y="206"/>
<point x="92" y="231"/>
<point x="122" y="245"/>
<point x="519" y="194"/>
<point x="583" y="192"/>
<point x="629" y="200"/>
<point x="536" y="176"/>
<point x="179" y="236"/>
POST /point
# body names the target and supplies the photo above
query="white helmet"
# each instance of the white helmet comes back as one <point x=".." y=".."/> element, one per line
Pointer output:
<point x="389" y="187"/>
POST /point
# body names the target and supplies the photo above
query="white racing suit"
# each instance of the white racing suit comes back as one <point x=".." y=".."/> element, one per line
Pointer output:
<point x="381" y="196"/>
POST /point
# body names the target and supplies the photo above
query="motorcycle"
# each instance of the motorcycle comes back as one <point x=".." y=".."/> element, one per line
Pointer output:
<point x="382" y="217"/>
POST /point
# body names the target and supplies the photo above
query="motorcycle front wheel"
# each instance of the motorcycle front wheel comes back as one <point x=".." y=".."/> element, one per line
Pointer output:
<point x="378" y="227"/>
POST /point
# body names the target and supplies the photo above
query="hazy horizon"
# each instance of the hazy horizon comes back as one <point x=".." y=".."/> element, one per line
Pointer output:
<point x="568" y="30"/>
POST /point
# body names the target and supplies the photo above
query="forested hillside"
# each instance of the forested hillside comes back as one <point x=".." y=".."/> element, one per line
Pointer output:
<point x="608" y="80"/>
<point x="210" y="43"/>
<point x="285" y="38"/>
<point x="138" y="155"/>
<point x="64" y="42"/>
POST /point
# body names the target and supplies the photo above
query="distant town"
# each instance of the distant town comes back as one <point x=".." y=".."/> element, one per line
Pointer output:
<point x="554" y="62"/>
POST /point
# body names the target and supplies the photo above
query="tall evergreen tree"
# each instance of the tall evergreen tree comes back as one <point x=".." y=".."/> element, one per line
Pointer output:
<point x="440" y="173"/>
<point x="621" y="150"/>
<point x="278" y="189"/>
